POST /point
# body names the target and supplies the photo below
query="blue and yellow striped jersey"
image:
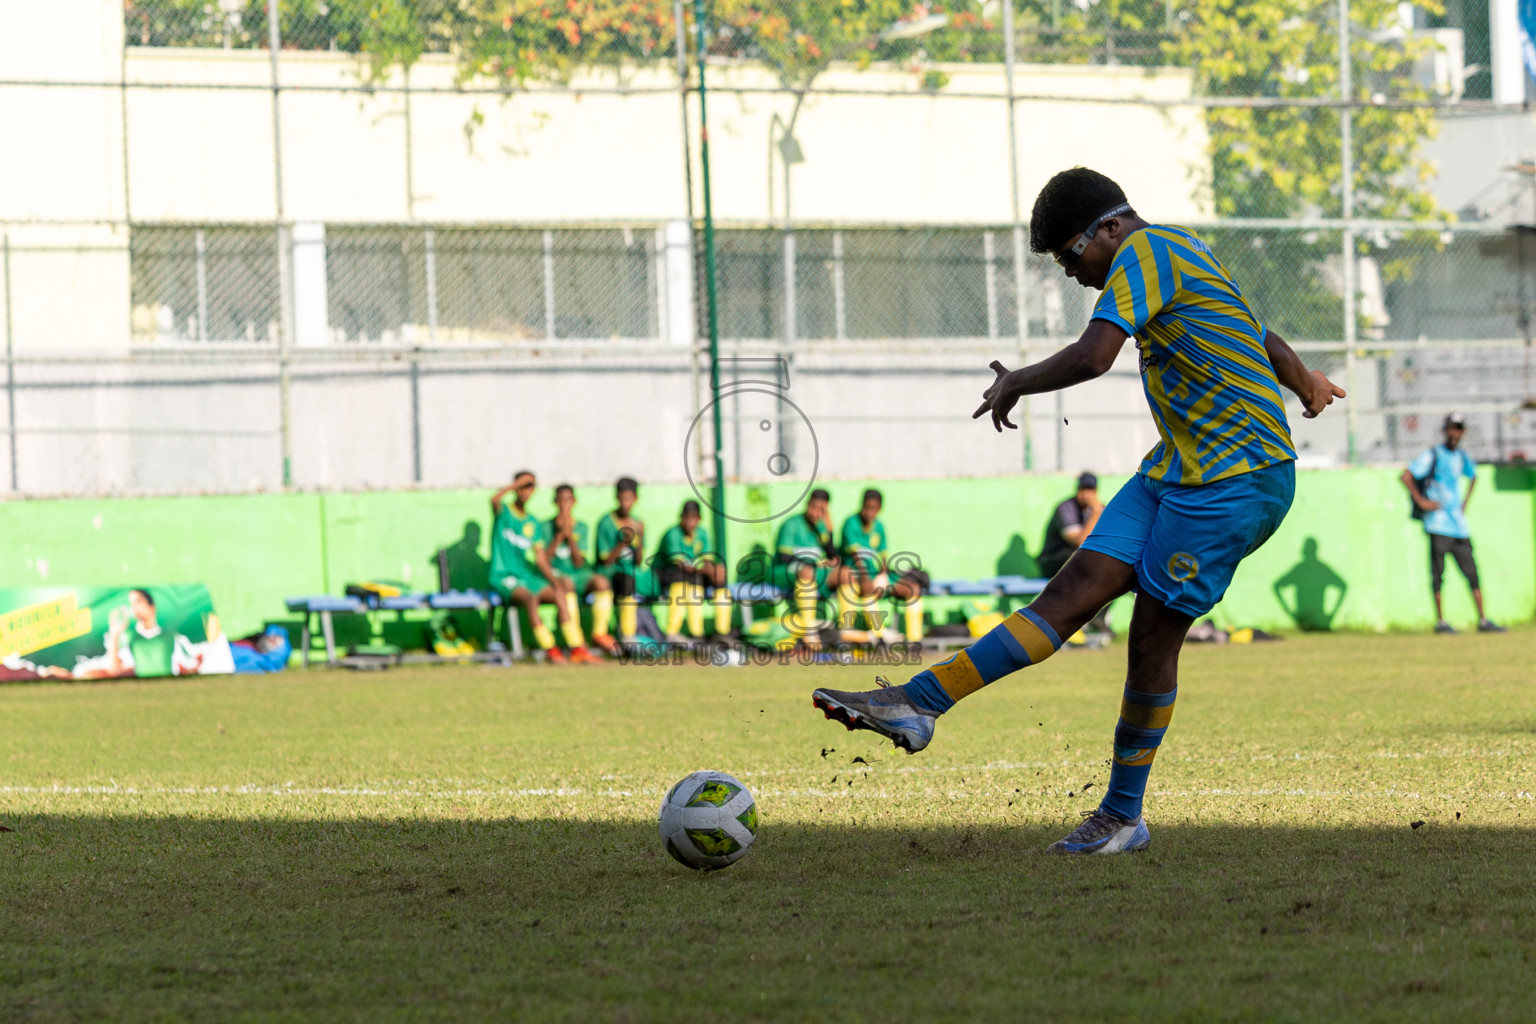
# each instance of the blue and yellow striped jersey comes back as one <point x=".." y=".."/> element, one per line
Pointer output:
<point x="1208" y="380"/>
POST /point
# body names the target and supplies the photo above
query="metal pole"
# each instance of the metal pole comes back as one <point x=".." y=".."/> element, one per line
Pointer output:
<point x="681" y="31"/>
<point x="284" y="271"/>
<point x="410" y="171"/>
<point x="711" y="289"/>
<point x="1021" y="306"/>
<point x="989" y="276"/>
<point x="201" y="244"/>
<point x="1347" y="211"/>
<point x="429" y="243"/>
<point x="409" y="317"/>
<point x="549" y="284"/>
<point x="10" y="364"/>
<point x="839" y="297"/>
<point x="680" y="34"/>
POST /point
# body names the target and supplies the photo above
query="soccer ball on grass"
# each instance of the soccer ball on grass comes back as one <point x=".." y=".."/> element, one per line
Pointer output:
<point x="708" y="820"/>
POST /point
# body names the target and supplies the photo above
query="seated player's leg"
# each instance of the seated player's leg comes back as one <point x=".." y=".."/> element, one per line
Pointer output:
<point x="1199" y="537"/>
<point x="562" y="594"/>
<point x="553" y="594"/>
<point x="695" y="596"/>
<point x="714" y="572"/>
<point x="525" y="594"/>
<point x="601" y="589"/>
<point x="810" y="584"/>
<point x="628" y="603"/>
<point x="909" y="597"/>
<point x="674" y="587"/>
<point x="1090" y="579"/>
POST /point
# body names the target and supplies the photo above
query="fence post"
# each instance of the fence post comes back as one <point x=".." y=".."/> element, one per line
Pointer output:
<point x="284" y="272"/>
<point x="711" y="285"/>
<point x="201" y="244"/>
<point x="839" y="296"/>
<point x="10" y="361"/>
<point x="1347" y="203"/>
<point x="1026" y="426"/>
<point x="549" y="284"/>
<point x="989" y="256"/>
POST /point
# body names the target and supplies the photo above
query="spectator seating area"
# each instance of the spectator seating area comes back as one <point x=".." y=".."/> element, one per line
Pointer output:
<point x="372" y="631"/>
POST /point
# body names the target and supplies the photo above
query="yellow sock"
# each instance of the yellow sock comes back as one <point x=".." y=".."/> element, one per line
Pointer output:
<point x="676" y="608"/>
<point x="571" y="631"/>
<point x="602" y="611"/>
<point x="542" y="636"/>
<point x="696" y="609"/>
<point x="912" y="620"/>
<point x="573" y="606"/>
<point x="629" y="616"/>
<point x="847" y="605"/>
<point x="722" y="611"/>
<point x="805" y="609"/>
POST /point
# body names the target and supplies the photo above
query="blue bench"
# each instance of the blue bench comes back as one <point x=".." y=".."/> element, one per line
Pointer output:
<point x="325" y="607"/>
<point x="990" y="586"/>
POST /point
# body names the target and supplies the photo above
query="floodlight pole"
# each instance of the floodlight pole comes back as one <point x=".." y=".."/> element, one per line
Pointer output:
<point x="718" y="505"/>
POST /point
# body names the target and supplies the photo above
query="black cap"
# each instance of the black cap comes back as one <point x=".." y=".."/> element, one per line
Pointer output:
<point x="1453" y="419"/>
<point x="1087" y="482"/>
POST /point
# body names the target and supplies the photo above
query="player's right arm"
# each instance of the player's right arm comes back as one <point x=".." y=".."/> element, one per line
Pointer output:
<point x="496" y="500"/>
<point x="1313" y="387"/>
<point x="1088" y="357"/>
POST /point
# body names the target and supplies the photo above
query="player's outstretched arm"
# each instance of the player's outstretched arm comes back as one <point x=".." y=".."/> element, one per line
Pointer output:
<point x="1088" y="357"/>
<point x="1313" y="387"/>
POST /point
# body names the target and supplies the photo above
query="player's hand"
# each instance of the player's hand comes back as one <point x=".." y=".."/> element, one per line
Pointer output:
<point x="998" y="399"/>
<point x="1430" y="506"/>
<point x="1324" y="391"/>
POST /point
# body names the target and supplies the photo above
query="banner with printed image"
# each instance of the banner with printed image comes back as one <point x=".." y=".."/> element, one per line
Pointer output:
<point x="110" y="633"/>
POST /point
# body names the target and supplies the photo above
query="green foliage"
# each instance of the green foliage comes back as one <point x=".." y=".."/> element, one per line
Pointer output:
<point x="1278" y="162"/>
<point x="1265" y="162"/>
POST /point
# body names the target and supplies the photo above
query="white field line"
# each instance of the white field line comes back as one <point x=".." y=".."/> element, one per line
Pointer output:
<point x="449" y="787"/>
<point x="815" y="793"/>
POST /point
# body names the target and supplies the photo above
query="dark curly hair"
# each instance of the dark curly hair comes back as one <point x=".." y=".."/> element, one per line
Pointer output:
<point x="1067" y="204"/>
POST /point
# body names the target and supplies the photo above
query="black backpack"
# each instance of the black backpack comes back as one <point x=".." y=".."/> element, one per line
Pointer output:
<point x="1422" y="483"/>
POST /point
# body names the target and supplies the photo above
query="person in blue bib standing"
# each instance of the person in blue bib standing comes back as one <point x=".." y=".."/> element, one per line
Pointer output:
<point x="1434" y="482"/>
<point x="1212" y="491"/>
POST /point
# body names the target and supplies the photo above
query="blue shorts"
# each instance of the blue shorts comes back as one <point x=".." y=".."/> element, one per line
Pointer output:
<point x="1185" y="541"/>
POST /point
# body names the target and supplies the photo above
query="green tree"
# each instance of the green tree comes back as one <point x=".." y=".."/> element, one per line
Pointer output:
<point x="1286" y="161"/>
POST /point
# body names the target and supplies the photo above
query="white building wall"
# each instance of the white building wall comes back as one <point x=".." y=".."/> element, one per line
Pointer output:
<point x="148" y="135"/>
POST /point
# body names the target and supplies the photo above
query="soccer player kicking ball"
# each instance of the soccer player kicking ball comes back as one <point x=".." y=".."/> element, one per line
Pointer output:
<point x="1214" y="489"/>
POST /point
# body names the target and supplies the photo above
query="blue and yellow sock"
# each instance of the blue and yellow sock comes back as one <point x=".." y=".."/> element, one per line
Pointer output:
<point x="1144" y="717"/>
<point x="1023" y="639"/>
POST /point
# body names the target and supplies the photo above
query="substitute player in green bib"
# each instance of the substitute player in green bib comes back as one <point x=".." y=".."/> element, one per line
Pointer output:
<point x="685" y="564"/>
<point x="567" y="539"/>
<point x="520" y="569"/>
<point x="1214" y="489"/>
<point x="806" y="564"/>
<point x="862" y="545"/>
<point x="620" y="555"/>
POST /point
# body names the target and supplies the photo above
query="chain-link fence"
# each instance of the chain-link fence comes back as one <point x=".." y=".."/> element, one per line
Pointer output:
<point x="358" y="249"/>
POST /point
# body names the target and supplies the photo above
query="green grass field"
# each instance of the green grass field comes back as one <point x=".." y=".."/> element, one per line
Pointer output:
<point x="470" y="843"/>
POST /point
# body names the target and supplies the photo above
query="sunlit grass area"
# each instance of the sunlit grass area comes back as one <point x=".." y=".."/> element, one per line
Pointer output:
<point x="468" y="843"/>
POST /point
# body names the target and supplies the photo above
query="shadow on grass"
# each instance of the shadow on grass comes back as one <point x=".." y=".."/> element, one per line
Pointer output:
<point x="187" y="918"/>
